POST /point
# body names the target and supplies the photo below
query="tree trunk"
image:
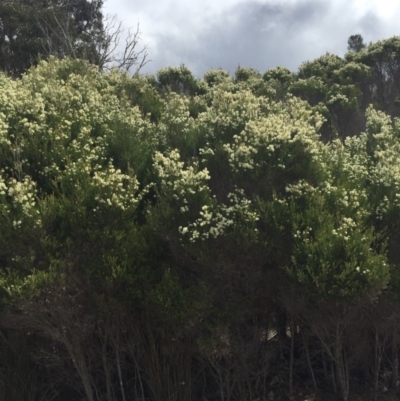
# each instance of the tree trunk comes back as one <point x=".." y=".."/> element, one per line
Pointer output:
<point x="106" y="370"/>
<point x="305" y="339"/>
<point x="342" y="373"/>
<point x="378" y="358"/>
<point x="395" y="358"/>
<point x="292" y="333"/>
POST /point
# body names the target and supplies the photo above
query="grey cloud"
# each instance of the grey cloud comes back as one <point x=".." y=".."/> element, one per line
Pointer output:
<point x="261" y="35"/>
<point x="250" y="34"/>
<point x="369" y="25"/>
<point x="291" y="16"/>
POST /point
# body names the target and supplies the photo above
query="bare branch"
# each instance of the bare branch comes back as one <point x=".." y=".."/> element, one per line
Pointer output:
<point x="130" y="56"/>
<point x="54" y="37"/>
<point x="110" y="41"/>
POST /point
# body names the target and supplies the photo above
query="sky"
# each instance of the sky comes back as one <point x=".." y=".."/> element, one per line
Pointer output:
<point x="263" y="34"/>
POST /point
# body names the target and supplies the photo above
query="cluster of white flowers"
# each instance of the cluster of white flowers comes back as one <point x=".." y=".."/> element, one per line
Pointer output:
<point x="174" y="177"/>
<point x="206" y="151"/>
<point x="115" y="189"/>
<point x="355" y="159"/>
<point x="345" y="229"/>
<point x="257" y="134"/>
<point x="3" y="130"/>
<point x="359" y="270"/>
<point x="396" y="201"/>
<point x="299" y="189"/>
<point x="216" y="219"/>
<point x="175" y="119"/>
<point x="339" y="99"/>
<point x="229" y="111"/>
<point x="303" y="235"/>
<point x="256" y="144"/>
<point x="354" y="200"/>
<point x="21" y="204"/>
<point x="382" y="208"/>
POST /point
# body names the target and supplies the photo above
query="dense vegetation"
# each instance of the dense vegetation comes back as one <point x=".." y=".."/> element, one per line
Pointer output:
<point x="172" y="238"/>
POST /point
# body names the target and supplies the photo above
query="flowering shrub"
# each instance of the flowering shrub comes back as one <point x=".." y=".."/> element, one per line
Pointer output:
<point x="145" y="193"/>
<point x="64" y="130"/>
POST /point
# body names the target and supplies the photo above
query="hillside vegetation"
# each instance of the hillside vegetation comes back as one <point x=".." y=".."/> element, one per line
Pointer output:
<point x="171" y="238"/>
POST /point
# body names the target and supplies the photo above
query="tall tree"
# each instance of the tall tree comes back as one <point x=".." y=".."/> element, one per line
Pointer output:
<point x="34" y="29"/>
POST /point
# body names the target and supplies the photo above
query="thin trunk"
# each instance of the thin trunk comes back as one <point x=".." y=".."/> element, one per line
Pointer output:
<point x="249" y="386"/>
<point x="326" y="374"/>
<point x="265" y="386"/>
<point x="395" y="357"/>
<point x="291" y="356"/>
<point x="378" y="358"/>
<point x="106" y="371"/>
<point x="395" y="374"/>
<point x="121" y="383"/>
<point x="140" y="380"/>
<point x="228" y="388"/>
<point x="305" y="337"/>
<point x="221" y="385"/>
<point x="204" y="381"/>
<point x="78" y="359"/>
<point x="335" y="389"/>
<point x="341" y="366"/>
<point x="84" y="375"/>
<point x="131" y="343"/>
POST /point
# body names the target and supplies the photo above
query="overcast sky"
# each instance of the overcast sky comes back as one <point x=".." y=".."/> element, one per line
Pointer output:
<point x="208" y="34"/>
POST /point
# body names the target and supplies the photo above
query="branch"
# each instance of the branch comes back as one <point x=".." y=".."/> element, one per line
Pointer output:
<point x="129" y="56"/>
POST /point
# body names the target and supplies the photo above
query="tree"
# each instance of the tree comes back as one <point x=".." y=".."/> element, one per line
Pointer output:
<point x="355" y="43"/>
<point x="383" y="59"/>
<point x="33" y="30"/>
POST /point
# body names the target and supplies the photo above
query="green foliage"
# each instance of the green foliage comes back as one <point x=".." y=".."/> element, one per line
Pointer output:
<point x="215" y="77"/>
<point x="179" y="80"/>
<point x="355" y="43"/>
<point x="151" y="225"/>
